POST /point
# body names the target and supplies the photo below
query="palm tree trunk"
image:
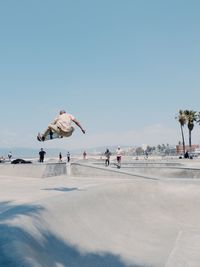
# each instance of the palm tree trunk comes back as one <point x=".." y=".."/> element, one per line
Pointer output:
<point x="183" y="139"/>
<point x="190" y="139"/>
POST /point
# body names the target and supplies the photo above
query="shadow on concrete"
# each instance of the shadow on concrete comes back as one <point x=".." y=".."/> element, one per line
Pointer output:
<point x="9" y="234"/>
<point x="51" y="252"/>
<point x="62" y="189"/>
<point x="9" y="211"/>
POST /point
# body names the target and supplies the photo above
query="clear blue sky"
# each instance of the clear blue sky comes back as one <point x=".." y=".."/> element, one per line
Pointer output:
<point x="123" y="67"/>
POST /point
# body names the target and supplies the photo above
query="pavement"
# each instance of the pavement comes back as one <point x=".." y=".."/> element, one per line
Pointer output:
<point x="96" y="216"/>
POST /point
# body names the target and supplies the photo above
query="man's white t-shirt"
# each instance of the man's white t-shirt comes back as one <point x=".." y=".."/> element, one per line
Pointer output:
<point x="119" y="152"/>
<point x="64" y="121"/>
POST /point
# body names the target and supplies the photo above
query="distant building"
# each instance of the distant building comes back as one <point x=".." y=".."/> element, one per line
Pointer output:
<point x="179" y="148"/>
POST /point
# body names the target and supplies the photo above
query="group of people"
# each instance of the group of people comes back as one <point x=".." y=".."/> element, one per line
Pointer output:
<point x="68" y="157"/>
<point x="42" y="153"/>
<point x="118" y="157"/>
<point x="62" y="125"/>
<point x="2" y="158"/>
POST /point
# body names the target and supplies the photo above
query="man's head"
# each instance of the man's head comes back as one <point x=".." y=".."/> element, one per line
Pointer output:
<point x="62" y="111"/>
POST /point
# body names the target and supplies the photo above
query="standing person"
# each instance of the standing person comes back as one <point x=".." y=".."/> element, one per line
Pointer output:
<point x="41" y="154"/>
<point x="60" y="157"/>
<point x="186" y="155"/>
<point x="9" y="156"/>
<point x="84" y="155"/>
<point x="146" y="155"/>
<point x="119" y="157"/>
<point x="62" y="125"/>
<point x="68" y="156"/>
<point x="107" y="154"/>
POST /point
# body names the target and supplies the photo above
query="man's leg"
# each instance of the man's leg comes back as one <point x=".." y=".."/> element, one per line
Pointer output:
<point x="51" y="127"/>
<point x="55" y="128"/>
<point x="51" y="134"/>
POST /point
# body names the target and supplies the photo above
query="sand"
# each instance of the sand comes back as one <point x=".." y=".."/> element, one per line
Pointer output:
<point x="99" y="216"/>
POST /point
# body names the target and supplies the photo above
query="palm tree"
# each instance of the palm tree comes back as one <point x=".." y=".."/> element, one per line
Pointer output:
<point x="182" y="120"/>
<point x="190" y="117"/>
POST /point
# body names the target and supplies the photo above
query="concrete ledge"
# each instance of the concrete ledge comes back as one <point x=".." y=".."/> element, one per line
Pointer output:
<point x="90" y="170"/>
<point x="153" y="173"/>
<point x="37" y="170"/>
<point x="143" y="164"/>
<point x="166" y="172"/>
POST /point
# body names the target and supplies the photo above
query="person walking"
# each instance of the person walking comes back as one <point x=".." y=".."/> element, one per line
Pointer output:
<point x="60" y="157"/>
<point x="9" y="156"/>
<point x="68" y="156"/>
<point x="119" y="157"/>
<point x="107" y="154"/>
<point x="84" y="155"/>
<point x="41" y="155"/>
<point x="62" y="125"/>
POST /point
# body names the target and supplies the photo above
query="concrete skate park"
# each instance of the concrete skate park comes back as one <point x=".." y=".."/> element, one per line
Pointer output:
<point x="145" y="214"/>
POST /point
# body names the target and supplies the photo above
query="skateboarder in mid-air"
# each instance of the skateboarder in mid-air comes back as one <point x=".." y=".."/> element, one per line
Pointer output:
<point x="61" y="127"/>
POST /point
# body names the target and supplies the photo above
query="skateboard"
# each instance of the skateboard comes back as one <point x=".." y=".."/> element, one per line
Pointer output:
<point x="52" y="135"/>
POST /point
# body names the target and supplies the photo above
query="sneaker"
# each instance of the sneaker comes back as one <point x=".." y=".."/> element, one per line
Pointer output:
<point x="39" y="138"/>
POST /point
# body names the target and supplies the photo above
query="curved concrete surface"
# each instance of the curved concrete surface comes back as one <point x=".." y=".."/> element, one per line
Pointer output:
<point x="165" y="172"/>
<point x="102" y="222"/>
<point x="91" y="170"/>
<point x="86" y="169"/>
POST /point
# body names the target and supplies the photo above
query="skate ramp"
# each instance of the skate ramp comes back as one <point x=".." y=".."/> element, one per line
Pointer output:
<point x="95" y="171"/>
<point x="142" y="171"/>
<point x="37" y="170"/>
<point x="144" y="163"/>
<point x="165" y="172"/>
<point x="122" y="223"/>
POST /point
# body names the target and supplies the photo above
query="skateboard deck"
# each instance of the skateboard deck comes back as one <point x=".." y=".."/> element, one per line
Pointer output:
<point x="52" y="135"/>
<point x="117" y="165"/>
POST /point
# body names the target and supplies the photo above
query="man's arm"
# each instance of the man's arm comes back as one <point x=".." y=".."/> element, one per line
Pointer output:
<point x="79" y="125"/>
